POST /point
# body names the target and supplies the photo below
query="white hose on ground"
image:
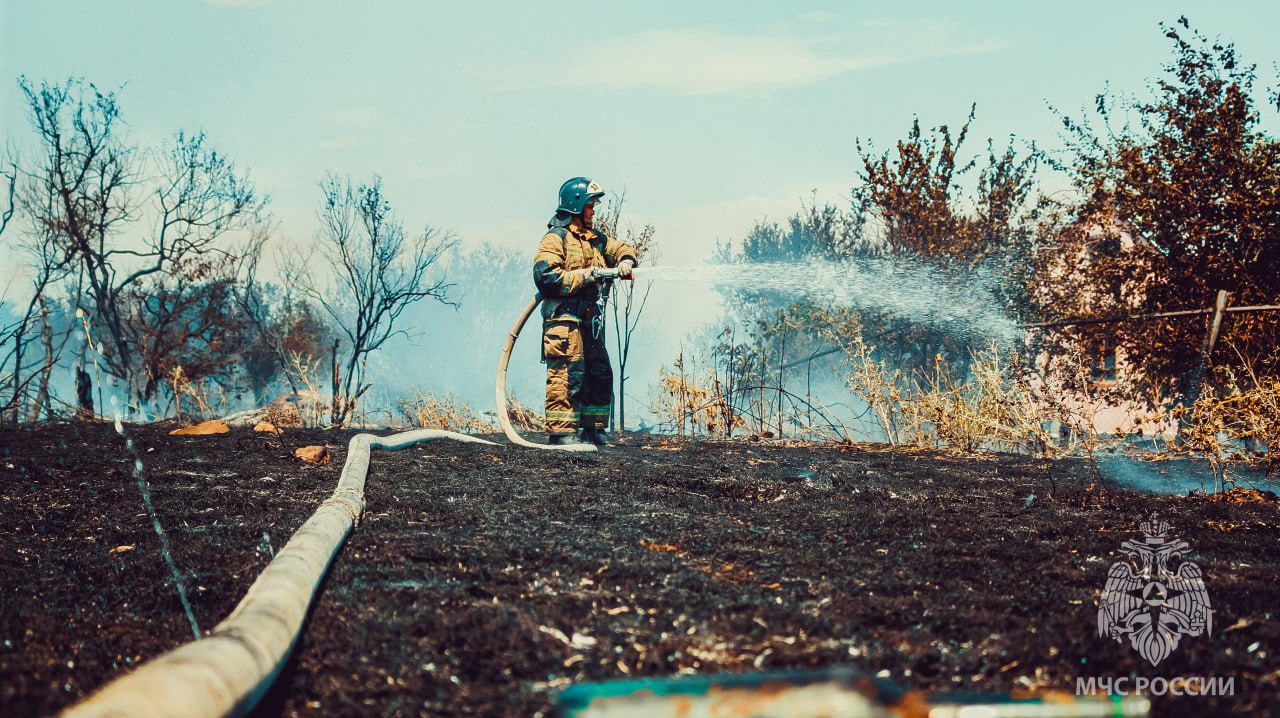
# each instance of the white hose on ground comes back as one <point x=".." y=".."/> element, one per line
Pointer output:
<point x="228" y="670"/>
<point x="501" y="388"/>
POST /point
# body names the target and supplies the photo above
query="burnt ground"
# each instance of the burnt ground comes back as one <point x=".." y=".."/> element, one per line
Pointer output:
<point x="484" y="578"/>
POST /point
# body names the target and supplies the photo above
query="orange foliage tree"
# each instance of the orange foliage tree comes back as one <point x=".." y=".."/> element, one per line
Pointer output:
<point x="1176" y="205"/>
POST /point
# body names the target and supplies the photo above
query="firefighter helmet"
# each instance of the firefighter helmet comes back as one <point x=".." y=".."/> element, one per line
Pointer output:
<point x="577" y="192"/>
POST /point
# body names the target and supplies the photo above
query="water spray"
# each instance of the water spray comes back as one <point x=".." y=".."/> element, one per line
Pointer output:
<point x="909" y="290"/>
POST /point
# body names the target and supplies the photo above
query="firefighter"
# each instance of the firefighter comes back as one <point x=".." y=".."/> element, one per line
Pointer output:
<point x="579" y="377"/>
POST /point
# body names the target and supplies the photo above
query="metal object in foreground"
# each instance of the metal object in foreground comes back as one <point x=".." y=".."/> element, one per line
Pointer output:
<point x="833" y="692"/>
<point x="827" y="693"/>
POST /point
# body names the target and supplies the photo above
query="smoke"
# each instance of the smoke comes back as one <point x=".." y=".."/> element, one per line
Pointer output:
<point x="448" y="350"/>
<point x="455" y="351"/>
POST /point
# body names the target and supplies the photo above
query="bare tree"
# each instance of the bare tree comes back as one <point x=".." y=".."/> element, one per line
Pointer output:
<point x="280" y="325"/>
<point x="91" y="186"/>
<point x="10" y="177"/>
<point x="282" y="328"/>
<point x="47" y="265"/>
<point x="378" y="271"/>
<point x="628" y="303"/>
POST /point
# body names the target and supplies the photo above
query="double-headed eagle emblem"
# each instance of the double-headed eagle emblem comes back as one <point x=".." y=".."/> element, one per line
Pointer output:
<point x="1153" y="605"/>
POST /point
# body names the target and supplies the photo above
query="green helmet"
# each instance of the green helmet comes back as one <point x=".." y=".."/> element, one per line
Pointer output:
<point x="577" y="192"/>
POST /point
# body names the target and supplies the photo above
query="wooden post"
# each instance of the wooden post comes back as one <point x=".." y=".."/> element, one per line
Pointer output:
<point x="1196" y="381"/>
<point x="335" y="415"/>
<point x="782" y="363"/>
<point x="84" y="394"/>
<point x="1218" y="308"/>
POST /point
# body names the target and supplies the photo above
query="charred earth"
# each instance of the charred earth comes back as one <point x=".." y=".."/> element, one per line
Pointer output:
<point x="484" y="578"/>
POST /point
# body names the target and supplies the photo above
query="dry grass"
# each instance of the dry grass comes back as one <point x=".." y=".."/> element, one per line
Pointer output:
<point x="1240" y="424"/>
<point x="195" y="399"/>
<point x="426" y="410"/>
<point x="994" y="408"/>
<point x="524" y="418"/>
<point x="1001" y="404"/>
<point x="694" y="402"/>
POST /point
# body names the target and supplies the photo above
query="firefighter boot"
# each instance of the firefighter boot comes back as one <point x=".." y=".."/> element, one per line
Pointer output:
<point x="564" y="440"/>
<point x="597" y="436"/>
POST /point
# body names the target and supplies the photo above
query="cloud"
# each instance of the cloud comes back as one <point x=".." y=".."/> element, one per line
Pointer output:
<point x="710" y="61"/>
<point x="705" y="63"/>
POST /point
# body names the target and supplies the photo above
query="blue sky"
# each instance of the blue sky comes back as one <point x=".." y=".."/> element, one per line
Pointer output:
<point x="711" y="115"/>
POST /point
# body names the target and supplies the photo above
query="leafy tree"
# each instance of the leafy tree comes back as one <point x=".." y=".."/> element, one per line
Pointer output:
<point x="911" y="207"/>
<point x="908" y="209"/>
<point x="910" y="194"/>
<point x="1179" y="204"/>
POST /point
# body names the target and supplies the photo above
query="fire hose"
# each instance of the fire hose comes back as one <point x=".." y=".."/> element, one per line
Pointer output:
<point x="500" y="386"/>
<point x="228" y="670"/>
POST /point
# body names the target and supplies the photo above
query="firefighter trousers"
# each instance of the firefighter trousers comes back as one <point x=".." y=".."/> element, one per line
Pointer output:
<point x="579" y="377"/>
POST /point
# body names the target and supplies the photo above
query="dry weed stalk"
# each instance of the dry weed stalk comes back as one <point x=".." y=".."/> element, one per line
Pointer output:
<point x="1000" y="405"/>
<point x="303" y="369"/>
<point x="523" y="417"/>
<point x="993" y="409"/>
<point x="881" y="388"/>
<point x="1241" y="424"/>
<point x="425" y="410"/>
<point x="698" y="399"/>
<point x="200" y="400"/>
<point x="1079" y="420"/>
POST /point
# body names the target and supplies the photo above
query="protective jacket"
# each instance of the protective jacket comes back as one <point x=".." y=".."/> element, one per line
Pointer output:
<point x="565" y="249"/>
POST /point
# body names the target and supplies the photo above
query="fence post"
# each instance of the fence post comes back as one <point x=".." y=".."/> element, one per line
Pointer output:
<point x="1206" y="350"/>
<point x="337" y="410"/>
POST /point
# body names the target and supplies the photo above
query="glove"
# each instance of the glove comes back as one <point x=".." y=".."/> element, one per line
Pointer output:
<point x="625" y="267"/>
<point x="587" y="275"/>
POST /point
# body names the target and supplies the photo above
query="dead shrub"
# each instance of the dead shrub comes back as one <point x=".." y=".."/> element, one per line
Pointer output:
<point x="201" y="399"/>
<point x="1241" y="423"/>
<point x="695" y="400"/>
<point x="881" y="388"/>
<point x="303" y="370"/>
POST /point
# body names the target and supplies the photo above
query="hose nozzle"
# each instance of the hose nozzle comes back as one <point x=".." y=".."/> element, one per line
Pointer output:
<point x="605" y="275"/>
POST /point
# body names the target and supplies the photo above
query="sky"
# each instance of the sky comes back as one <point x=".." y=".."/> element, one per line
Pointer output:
<point x="710" y="116"/>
